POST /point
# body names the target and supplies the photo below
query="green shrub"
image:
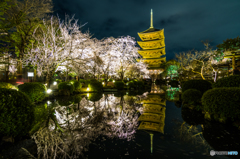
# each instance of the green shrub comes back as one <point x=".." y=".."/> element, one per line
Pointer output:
<point x="7" y="85"/>
<point x="95" y="86"/>
<point x="77" y="86"/>
<point x="66" y="86"/>
<point x="110" y="80"/>
<point x="224" y="102"/>
<point x="140" y="84"/>
<point x="131" y="85"/>
<point x="125" y="81"/>
<point x="192" y="96"/>
<point x="119" y="85"/>
<point x="95" y="96"/>
<point x="82" y="81"/>
<point x="201" y="85"/>
<point x="36" y="91"/>
<point x="17" y="113"/>
<point x="231" y="81"/>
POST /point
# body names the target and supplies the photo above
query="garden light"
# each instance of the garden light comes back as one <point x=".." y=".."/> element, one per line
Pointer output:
<point x="54" y="83"/>
<point x="103" y="83"/>
<point x="113" y="80"/>
<point x="88" y="89"/>
<point x="49" y="91"/>
<point x="88" y="95"/>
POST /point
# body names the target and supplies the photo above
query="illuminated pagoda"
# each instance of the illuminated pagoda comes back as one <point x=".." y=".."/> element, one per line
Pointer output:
<point x="153" y="117"/>
<point x="153" y="48"/>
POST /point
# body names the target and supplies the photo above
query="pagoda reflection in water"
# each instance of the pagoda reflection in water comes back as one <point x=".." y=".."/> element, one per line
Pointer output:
<point x="153" y="115"/>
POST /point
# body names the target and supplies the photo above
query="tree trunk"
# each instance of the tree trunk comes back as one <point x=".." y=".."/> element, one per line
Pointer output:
<point x="202" y="73"/>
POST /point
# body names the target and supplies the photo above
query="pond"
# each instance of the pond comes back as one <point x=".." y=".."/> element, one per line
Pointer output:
<point x="126" y="125"/>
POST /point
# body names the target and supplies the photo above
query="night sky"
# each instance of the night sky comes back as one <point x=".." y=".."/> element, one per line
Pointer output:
<point x="186" y="22"/>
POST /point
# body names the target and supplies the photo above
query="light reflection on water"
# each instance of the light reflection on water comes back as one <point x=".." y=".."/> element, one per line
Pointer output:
<point x="107" y="126"/>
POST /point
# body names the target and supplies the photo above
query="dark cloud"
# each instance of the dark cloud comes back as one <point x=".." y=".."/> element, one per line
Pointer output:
<point x="186" y="23"/>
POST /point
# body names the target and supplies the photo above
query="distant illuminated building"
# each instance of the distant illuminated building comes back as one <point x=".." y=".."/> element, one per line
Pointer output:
<point x="153" y="48"/>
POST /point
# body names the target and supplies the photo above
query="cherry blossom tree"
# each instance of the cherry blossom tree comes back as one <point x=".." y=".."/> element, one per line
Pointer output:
<point x="61" y="44"/>
<point x="126" y="52"/>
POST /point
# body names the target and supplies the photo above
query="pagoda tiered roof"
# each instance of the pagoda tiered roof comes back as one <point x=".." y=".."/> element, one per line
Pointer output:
<point x="151" y="34"/>
<point x="154" y="53"/>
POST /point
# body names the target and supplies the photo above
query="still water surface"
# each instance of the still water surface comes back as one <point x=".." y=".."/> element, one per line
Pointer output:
<point x="107" y="126"/>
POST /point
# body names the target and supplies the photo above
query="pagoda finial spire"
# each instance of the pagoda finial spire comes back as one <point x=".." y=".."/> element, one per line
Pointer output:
<point x="151" y="24"/>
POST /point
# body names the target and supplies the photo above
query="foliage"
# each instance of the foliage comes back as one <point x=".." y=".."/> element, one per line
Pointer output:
<point x="77" y="85"/>
<point x="7" y="85"/>
<point x="171" y="68"/>
<point x="36" y="91"/>
<point x="192" y="96"/>
<point x="95" y="96"/>
<point x="230" y="44"/>
<point x="19" y="21"/>
<point x="131" y="85"/>
<point x="231" y="81"/>
<point x="223" y="102"/>
<point x="66" y="86"/>
<point x="82" y="80"/>
<point x="95" y="86"/>
<point x="110" y="80"/>
<point x="201" y="85"/>
<point x="119" y="85"/>
<point x="17" y="113"/>
<point x="140" y="84"/>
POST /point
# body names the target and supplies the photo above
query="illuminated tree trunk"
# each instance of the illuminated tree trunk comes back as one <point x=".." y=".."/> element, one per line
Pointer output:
<point x="202" y="73"/>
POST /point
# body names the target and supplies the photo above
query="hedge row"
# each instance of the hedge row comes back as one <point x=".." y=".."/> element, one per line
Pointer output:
<point x="223" y="102"/>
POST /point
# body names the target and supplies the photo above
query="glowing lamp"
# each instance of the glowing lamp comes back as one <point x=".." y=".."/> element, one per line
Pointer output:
<point x="103" y="83"/>
<point x="88" y="89"/>
<point x="54" y="83"/>
<point x="88" y="95"/>
<point x="113" y="80"/>
<point x="49" y="91"/>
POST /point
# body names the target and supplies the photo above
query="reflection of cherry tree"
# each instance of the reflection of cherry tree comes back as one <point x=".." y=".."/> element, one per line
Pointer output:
<point x="79" y="126"/>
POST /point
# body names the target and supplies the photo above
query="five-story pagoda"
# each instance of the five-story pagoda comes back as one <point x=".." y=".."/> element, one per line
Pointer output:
<point x="153" y="48"/>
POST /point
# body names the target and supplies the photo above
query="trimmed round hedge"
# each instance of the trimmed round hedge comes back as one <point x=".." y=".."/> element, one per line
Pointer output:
<point x="95" y="86"/>
<point x="231" y="81"/>
<point x="192" y="96"/>
<point x="119" y="85"/>
<point x="77" y="85"/>
<point x="7" y="85"/>
<point x="16" y="113"/>
<point x="66" y="87"/>
<point x="131" y="85"/>
<point x="201" y="85"/>
<point x="36" y="91"/>
<point x="223" y="102"/>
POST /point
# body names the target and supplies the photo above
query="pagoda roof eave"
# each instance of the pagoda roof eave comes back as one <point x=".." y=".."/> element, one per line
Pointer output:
<point x="150" y="30"/>
<point x="154" y="58"/>
<point x="144" y="50"/>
